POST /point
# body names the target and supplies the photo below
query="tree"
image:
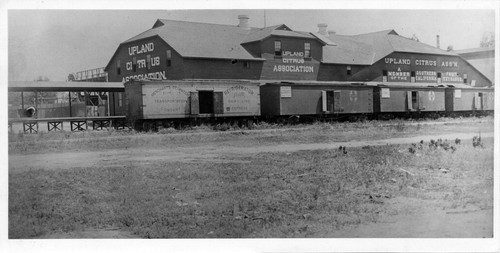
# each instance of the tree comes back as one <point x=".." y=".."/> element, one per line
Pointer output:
<point x="415" y="38"/>
<point x="488" y="40"/>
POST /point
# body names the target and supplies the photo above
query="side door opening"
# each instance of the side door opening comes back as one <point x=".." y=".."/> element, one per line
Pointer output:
<point x="478" y="101"/>
<point x="327" y="101"/>
<point x="206" y="102"/>
<point x="412" y="100"/>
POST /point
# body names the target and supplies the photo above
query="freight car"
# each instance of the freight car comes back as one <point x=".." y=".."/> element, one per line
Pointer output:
<point x="463" y="99"/>
<point x="408" y="100"/>
<point x="336" y="100"/>
<point x="354" y="100"/>
<point x="151" y="104"/>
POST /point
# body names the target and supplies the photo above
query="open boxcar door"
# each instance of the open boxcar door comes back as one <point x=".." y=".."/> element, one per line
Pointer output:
<point x="194" y="103"/>
<point x="218" y="103"/>
<point x="478" y="103"/>
<point x="327" y="101"/>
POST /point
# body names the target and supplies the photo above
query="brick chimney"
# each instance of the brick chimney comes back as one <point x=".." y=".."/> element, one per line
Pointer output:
<point x="437" y="41"/>
<point x="322" y="29"/>
<point x="244" y="22"/>
<point x="331" y="33"/>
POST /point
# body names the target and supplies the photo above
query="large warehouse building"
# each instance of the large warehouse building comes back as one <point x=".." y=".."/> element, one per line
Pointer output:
<point x="187" y="50"/>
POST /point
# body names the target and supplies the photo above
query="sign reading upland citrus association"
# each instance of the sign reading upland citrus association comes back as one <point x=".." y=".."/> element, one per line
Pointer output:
<point x="293" y="62"/>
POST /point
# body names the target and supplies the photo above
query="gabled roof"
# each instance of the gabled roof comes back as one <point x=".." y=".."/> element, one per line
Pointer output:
<point x="347" y="50"/>
<point x="366" y="49"/>
<point x="402" y="44"/>
<point x="326" y="40"/>
<point x="277" y="30"/>
<point x="200" y="40"/>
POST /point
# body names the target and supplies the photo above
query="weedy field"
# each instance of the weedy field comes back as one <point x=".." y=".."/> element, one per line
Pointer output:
<point x="277" y="194"/>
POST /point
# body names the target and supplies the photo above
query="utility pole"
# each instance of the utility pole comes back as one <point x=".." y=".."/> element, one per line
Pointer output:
<point x="264" y="17"/>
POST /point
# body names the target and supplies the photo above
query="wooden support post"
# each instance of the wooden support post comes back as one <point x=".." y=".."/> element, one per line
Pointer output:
<point x="36" y="105"/>
<point x="86" y="99"/>
<point x="107" y="101"/>
<point x="69" y="100"/>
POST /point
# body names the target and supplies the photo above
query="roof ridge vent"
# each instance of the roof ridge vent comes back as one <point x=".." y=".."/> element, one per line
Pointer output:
<point x="244" y="22"/>
<point x="322" y="29"/>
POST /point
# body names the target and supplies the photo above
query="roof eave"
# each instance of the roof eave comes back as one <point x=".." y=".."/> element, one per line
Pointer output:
<point x="223" y="58"/>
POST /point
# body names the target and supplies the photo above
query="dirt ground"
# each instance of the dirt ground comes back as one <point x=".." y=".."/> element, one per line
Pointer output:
<point x="427" y="222"/>
<point x="202" y="153"/>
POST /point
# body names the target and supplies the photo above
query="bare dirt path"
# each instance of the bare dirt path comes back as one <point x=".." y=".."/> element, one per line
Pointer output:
<point x="429" y="224"/>
<point x="204" y="153"/>
<point x="424" y="221"/>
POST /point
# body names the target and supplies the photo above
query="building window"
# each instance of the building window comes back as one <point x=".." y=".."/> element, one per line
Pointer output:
<point x="134" y="64"/>
<point x="384" y="75"/>
<point x="349" y="70"/>
<point x="277" y="48"/>
<point x="439" y="77"/>
<point x="465" y="78"/>
<point x="246" y="64"/>
<point x="148" y="60"/>
<point x="412" y="76"/>
<point x="307" y="50"/>
<point x="118" y="69"/>
<point x="169" y="58"/>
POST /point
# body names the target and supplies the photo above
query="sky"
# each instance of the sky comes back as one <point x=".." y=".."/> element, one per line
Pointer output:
<point x="57" y="42"/>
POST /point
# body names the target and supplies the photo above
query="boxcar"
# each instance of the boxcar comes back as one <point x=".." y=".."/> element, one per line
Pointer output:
<point x="159" y="101"/>
<point x="464" y="98"/>
<point x="326" y="99"/>
<point x="394" y="99"/>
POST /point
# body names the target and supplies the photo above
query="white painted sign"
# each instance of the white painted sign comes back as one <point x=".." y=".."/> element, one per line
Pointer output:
<point x="458" y="93"/>
<point x="432" y="95"/>
<point x="149" y="47"/>
<point x="386" y="92"/>
<point x="286" y="91"/>
<point x="426" y="76"/>
<point x="397" y="61"/>
<point x="452" y="77"/>
<point x="293" y="54"/>
<point x="398" y="75"/>
<point x="160" y="75"/>
<point x="292" y="68"/>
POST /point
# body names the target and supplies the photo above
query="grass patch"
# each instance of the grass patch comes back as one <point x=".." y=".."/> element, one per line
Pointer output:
<point x="299" y="194"/>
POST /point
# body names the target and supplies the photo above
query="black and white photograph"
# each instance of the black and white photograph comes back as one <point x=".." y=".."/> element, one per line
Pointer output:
<point x="295" y="126"/>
